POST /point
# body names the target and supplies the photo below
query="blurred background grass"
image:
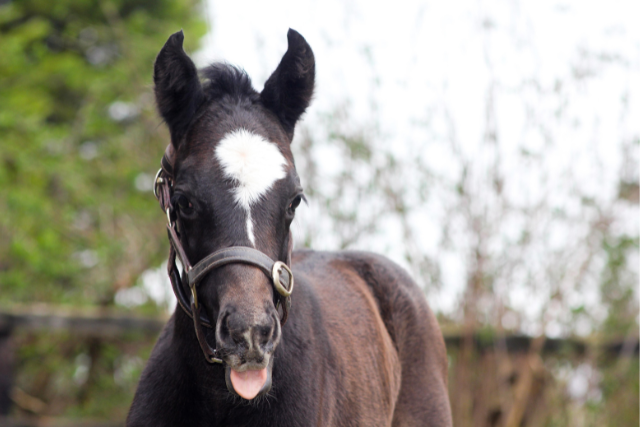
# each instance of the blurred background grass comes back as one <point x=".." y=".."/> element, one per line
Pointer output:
<point x="80" y="143"/>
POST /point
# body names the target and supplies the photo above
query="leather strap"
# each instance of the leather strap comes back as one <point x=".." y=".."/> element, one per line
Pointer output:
<point x="179" y="290"/>
<point x="211" y="354"/>
<point x="236" y="254"/>
<point x="168" y="160"/>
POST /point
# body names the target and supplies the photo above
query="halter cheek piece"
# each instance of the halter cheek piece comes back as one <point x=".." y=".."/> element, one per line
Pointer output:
<point x="278" y="272"/>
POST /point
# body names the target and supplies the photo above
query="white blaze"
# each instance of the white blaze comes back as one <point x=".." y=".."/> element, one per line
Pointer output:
<point x="254" y="164"/>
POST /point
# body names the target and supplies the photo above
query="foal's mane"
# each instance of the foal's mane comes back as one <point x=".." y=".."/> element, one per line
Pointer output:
<point x="223" y="79"/>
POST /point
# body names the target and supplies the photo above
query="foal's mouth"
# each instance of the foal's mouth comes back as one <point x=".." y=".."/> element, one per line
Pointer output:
<point x="249" y="380"/>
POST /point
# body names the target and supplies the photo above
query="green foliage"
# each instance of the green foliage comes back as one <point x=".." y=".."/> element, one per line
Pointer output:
<point x="80" y="135"/>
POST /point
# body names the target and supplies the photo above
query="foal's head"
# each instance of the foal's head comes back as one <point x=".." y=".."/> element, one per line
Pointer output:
<point x="235" y="184"/>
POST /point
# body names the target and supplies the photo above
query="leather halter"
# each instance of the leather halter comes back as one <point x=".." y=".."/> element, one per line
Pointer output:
<point x="278" y="272"/>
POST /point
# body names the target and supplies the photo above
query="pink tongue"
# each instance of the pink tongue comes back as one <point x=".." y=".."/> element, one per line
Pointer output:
<point x="248" y="383"/>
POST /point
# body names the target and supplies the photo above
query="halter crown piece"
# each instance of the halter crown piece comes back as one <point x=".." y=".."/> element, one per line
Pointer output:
<point x="278" y="272"/>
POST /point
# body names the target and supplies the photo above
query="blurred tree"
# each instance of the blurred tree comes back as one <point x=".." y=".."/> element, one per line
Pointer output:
<point x="80" y="143"/>
<point x="547" y="242"/>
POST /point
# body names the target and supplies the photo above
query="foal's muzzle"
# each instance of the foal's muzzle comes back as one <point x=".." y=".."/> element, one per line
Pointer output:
<point x="245" y="339"/>
<point x="246" y="344"/>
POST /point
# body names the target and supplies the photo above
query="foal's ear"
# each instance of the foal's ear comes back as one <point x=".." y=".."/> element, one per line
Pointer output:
<point x="177" y="87"/>
<point x="289" y="89"/>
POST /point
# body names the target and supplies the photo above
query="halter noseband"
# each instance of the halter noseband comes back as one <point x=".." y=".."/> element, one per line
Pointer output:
<point x="278" y="272"/>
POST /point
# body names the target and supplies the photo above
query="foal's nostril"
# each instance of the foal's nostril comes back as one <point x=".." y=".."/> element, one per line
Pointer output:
<point x="224" y="327"/>
<point x="264" y="333"/>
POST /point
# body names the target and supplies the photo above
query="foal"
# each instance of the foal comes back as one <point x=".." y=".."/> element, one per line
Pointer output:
<point x="354" y="344"/>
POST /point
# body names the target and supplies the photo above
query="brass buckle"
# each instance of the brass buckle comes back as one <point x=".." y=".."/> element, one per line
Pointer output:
<point x="215" y="359"/>
<point x="275" y="274"/>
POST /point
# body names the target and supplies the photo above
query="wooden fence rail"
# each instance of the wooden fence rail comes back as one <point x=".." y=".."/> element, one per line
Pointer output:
<point x="108" y="324"/>
<point x="105" y="324"/>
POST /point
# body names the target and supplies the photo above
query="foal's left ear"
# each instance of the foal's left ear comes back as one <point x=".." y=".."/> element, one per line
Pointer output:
<point x="177" y="87"/>
<point x="289" y="90"/>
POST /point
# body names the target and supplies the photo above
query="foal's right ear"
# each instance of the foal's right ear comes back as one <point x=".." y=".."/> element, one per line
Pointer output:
<point x="177" y="87"/>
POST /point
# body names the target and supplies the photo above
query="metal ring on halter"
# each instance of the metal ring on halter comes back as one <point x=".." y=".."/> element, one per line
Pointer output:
<point x="157" y="180"/>
<point x="194" y="295"/>
<point x="275" y="273"/>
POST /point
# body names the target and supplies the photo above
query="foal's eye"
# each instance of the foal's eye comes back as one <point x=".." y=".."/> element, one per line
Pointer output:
<point x="294" y="204"/>
<point x="183" y="204"/>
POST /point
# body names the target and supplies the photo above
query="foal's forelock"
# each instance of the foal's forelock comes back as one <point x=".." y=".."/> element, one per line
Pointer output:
<point x="254" y="164"/>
